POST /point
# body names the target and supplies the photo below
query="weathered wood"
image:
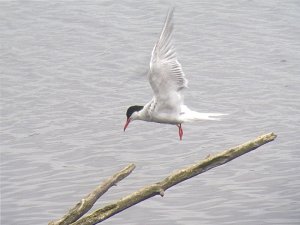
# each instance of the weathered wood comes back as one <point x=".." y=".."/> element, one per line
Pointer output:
<point x="87" y="203"/>
<point x="173" y="179"/>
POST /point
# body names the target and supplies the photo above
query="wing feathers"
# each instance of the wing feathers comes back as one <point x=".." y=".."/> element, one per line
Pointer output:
<point x="166" y="75"/>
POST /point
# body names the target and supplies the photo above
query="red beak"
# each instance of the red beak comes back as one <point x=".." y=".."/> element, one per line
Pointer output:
<point x="127" y="123"/>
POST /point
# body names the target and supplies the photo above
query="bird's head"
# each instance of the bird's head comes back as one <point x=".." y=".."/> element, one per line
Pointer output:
<point x="132" y="114"/>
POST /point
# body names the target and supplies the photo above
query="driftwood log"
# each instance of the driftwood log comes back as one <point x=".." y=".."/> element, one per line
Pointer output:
<point x="74" y="215"/>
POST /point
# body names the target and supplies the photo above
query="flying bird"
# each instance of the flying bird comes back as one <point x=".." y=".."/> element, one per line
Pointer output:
<point x="167" y="81"/>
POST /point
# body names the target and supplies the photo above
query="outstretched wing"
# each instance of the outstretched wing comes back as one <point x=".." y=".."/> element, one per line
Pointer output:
<point x="166" y="76"/>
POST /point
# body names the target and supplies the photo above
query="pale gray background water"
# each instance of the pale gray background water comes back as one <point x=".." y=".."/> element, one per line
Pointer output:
<point x="70" y="69"/>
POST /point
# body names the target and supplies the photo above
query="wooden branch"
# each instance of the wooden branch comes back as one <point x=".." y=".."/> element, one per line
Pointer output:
<point x="173" y="179"/>
<point x="87" y="203"/>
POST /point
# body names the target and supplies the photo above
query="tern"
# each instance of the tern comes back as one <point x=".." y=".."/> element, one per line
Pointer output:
<point x="167" y="81"/>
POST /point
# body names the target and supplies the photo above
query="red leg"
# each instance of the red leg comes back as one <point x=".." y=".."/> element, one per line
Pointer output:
<point x="180" y="131"/>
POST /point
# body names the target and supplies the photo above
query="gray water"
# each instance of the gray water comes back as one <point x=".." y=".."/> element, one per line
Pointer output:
<point x="70" y="69"/>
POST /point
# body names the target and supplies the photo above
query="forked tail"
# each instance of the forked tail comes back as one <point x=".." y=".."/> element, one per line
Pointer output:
<point x="190" y="115"/>
<point x="207" y="116"/>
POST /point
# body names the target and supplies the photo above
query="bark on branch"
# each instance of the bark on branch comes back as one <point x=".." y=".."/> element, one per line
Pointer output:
<point x="174" y="178"/>
<point x="87" y="203"/>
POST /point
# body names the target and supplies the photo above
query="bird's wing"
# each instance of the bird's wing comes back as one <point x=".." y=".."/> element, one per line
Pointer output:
<point x="166" y="76"/>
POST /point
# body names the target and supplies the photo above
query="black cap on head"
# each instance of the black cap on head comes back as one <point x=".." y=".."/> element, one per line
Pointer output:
<point x="132" y="109"/>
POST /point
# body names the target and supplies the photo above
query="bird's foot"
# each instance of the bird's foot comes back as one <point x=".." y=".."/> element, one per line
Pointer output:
<point x="180" y="131"/>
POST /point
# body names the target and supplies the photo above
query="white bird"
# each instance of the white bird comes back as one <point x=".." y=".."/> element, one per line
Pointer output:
<point x="167" y="81"/>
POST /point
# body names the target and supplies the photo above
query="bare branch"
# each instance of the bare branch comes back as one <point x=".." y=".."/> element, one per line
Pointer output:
<point x="87" y="203"/>
<point x="173" y="179"/>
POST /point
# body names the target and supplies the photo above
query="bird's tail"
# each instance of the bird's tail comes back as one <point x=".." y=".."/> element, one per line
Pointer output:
<point x="207" y="116"/>
<point x="190" y="115"/>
